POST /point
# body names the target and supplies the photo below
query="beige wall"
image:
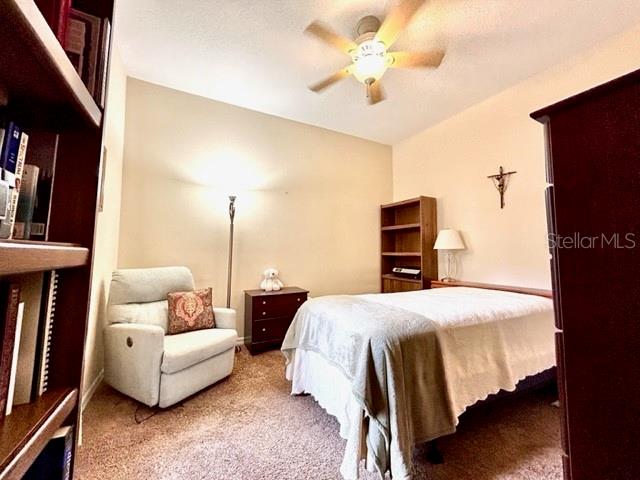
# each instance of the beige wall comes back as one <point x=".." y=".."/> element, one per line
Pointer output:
<point x="451" y="161"/>
<point x="106" y="244"/>
<point x="308" y="198"/>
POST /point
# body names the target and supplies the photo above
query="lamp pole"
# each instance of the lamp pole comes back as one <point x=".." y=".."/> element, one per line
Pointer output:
<point x="232" y="214"/>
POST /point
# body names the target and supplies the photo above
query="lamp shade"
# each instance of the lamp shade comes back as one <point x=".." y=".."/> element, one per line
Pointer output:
<point x="448" y="240"/>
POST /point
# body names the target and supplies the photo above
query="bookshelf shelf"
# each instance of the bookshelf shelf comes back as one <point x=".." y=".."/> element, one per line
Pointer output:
<point x="406" y="226"/>
<point x="25" y="432"/>
<point x="389" y="276"/>
<point x="401" y="254"/>
<point x="39" y="76"/>
<point x="26" y="256"/>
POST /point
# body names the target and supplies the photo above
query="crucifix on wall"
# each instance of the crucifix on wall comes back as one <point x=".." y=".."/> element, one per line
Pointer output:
<point x="500" y="180"/>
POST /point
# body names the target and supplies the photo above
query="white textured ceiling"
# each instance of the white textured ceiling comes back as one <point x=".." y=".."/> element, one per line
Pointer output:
<point x="253" y="53"/>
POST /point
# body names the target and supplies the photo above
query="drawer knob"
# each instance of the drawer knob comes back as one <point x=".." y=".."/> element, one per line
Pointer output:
<point x="264" y="313"/>
<point x="264" y="329"/>
<point x="264" y="302"/>
<point x="298" y="298"/>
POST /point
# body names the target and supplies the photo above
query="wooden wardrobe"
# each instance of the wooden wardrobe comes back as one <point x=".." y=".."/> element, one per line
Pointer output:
<point x="593" y="211"/>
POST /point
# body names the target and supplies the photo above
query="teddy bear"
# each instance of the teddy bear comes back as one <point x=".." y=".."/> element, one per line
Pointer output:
<point x="270" y="281"/>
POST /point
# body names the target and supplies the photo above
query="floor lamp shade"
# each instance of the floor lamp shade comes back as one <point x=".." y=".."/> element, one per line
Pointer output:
<point x="450" y="241"/>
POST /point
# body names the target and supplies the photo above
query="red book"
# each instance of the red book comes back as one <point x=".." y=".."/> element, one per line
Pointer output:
<point x="56" y="13"/>
<point x="9" y="300"/>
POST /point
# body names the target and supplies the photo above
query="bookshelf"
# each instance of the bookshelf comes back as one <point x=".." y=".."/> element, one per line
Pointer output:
<point x="408" y="229"/>
<point x="47" y="97"/>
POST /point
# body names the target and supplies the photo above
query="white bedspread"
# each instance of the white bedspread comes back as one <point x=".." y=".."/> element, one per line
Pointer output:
<point x="489" y="340"/>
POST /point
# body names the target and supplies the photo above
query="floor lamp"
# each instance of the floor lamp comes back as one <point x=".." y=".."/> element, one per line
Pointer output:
<point x="232" y="214"/>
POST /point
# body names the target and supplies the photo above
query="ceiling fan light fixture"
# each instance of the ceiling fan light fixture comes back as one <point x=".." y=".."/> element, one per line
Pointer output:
<point x="369" y="56"/>
<point x="370" y="61"/>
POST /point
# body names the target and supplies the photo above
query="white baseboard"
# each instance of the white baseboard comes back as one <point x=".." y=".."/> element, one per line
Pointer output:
<point x="241" y="341"/>
<point x="91" y="389"/>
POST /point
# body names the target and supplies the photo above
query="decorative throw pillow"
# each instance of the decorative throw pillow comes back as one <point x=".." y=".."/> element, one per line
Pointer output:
<point x="190" y="311"/>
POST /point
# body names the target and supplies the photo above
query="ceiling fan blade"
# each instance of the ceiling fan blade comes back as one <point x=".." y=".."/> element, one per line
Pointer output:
<point x="398" y="18"/>
<point x="327" y="82"/>
<point x="332" y="38"/>
<point x="375" y="93"/>
<point x="431" y="59"/>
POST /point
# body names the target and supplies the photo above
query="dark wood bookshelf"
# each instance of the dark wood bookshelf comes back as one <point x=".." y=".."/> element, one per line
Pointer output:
<point x="408" y="229"/>
<point x="39" y="77"/>
<point x="47" y="98"/>
<point x="26" y="256"/>
<point x="25" y="432"/>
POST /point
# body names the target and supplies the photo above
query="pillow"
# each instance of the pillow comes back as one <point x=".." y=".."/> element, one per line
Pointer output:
<point x="190" y="311"/>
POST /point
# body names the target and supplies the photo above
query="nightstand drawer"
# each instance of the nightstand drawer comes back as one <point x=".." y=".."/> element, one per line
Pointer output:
<point x="277" y="305"/>
<point x="270" y="329"/>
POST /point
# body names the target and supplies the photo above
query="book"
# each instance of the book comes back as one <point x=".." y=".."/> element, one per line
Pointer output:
<point x="2" y="130"/>
<point x="103" y="63"/>
<point x="5" y="192"/>
<point x="5" y="196"/>
<point x="9" y="153"/>
<point x="5" y="199"/>
<point x="6" y="225"/>
<point x="9" y="300"/>
<point x="92" y="26"/>
<point x="14" y="362"/>
<point x="43" y="345"/>
<point x="74" y="43"/>
<point x="41" y="209"/>
<point x="26" y="202"/>
<point x="54" y="462"/>
<point x="56" y="13"/>
<point x="31" y="288"/>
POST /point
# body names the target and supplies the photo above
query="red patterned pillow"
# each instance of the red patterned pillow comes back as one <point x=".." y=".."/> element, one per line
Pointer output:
<point x="190" y="311"/>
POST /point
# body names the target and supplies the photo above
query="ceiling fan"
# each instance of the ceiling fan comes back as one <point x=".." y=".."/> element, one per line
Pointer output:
<point x="369" y="52"/>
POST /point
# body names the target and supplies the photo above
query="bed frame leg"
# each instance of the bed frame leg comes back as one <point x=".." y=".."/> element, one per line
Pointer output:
<point x="434" y="456"/>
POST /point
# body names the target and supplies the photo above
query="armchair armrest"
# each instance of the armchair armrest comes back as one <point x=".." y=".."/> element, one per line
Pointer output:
<point x="133" y="354"/>
<point x="225" y="317"/>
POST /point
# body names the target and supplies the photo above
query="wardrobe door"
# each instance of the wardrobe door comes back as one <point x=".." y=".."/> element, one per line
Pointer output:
<point x="595" y="160"/>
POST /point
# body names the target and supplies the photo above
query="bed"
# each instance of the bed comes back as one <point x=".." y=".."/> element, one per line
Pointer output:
<point x="399" y="369"/>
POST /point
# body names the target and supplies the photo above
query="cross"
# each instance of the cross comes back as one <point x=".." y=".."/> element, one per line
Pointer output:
<point x="500" y="181"/>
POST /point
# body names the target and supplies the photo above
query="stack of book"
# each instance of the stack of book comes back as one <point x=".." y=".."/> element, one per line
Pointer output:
<point x="24" y="192"/>
<point x="26" y="325"/>
<point x="85" y="38"/>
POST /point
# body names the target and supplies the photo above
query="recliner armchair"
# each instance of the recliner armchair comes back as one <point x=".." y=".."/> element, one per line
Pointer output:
<point x="143" y="362"/>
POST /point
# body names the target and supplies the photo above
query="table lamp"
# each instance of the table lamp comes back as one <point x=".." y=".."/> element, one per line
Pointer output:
<point x="449" y="240"/>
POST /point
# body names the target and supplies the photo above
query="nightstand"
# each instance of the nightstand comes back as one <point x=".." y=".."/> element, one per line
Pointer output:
<point x="267" y="316"/>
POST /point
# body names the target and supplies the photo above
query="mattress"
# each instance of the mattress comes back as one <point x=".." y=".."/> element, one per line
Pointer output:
<point x="490" y="340"/>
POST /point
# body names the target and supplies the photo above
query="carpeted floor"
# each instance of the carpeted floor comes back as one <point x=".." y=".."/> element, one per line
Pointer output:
<point x="249" y="428"/>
